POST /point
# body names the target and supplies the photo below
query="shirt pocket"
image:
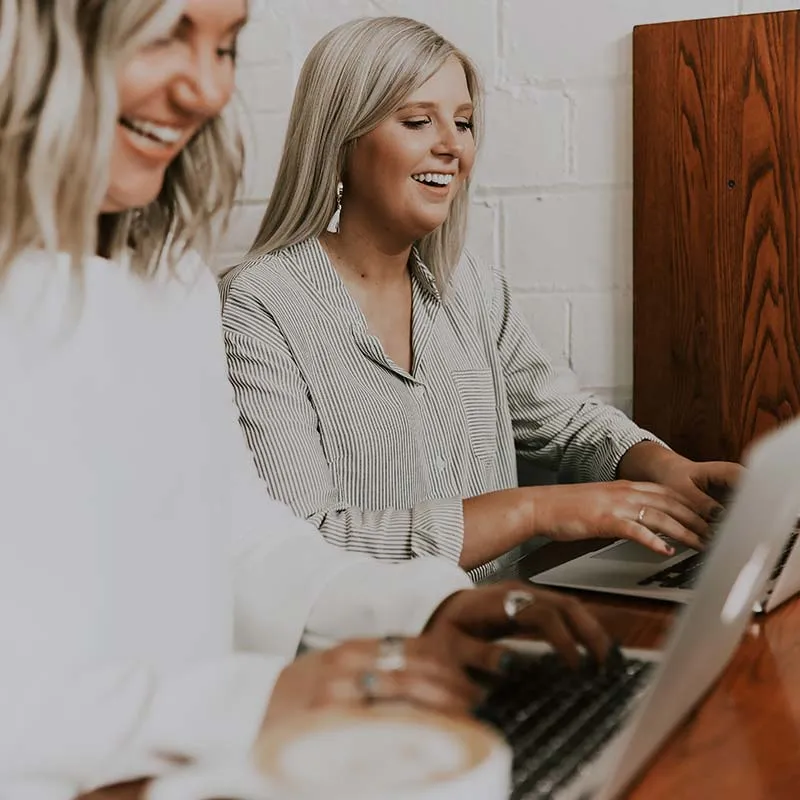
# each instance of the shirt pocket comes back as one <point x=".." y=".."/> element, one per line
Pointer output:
<point x="476" y="394"/>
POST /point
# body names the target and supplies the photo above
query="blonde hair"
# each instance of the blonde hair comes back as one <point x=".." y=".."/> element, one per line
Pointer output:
<point x="354" y="78"/>
<point x="58" y="115"/>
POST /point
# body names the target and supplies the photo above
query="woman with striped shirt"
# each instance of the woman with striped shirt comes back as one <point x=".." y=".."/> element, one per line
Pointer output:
<point x="385" y="377"/>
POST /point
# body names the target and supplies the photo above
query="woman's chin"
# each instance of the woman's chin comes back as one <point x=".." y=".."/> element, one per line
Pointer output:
<point x="127" y="198"/>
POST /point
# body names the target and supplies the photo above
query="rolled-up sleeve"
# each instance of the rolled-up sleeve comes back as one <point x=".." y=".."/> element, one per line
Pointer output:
<point x="573" y="433"/>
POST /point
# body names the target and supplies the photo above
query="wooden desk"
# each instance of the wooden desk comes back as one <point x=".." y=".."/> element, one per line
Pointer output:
<point x="743" y="741"/>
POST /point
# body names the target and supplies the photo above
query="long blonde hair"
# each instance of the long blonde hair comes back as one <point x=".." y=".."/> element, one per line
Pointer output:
<point x="58" y="113"/>
<point x="354" y="78"/>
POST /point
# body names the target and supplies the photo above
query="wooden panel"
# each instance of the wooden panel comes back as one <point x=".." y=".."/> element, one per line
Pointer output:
<point x="770" y="277"/>
<point x="716" y="178"/>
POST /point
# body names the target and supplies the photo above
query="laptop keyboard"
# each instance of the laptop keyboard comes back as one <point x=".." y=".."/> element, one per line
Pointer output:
<point x="683" y="574"/>
<point x="556" y="719"/>
<point x="679" y="576"/>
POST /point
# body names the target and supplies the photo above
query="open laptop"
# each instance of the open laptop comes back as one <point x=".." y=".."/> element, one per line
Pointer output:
<point x="628" y="568"/>
<point x="588" y="734"/>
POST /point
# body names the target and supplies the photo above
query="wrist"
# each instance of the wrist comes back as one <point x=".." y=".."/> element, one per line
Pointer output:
<point x="536" y="510"/>
<point x="443" y="610"/>
<point x="644" y="461"/>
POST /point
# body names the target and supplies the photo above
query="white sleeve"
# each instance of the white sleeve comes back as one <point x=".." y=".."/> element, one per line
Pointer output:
<point x="66" y="732"/>
<point x="75" y="712"/>
<point x="292" y="586"/>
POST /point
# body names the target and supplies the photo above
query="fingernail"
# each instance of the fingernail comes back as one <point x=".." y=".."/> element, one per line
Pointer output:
<point x="669" y="550"/>
<point x="614" y="657"/>
<point x="508" y="661"/>
<point x="716" y="514"/>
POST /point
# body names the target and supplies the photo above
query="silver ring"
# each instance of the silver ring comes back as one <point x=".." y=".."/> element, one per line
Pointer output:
<point x="368" y="685"/>
<point x="391" y="654"/>
<point x="640" y="515"/>
<point x="517" y="600"/>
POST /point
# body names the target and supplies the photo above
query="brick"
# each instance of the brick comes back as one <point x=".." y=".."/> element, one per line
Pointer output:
<point x="312" y="19"/>
<point x="266" y="87"/>
<point x="263" y="136"/>
<point x="548" y="318"/>
<point x="755" y="6"/>
<point x="569" y="241"/>
<point x="266" y="38"/>
<point x="525" y="139"/>
<point x="482" y="231"/>
<point x="563" y="39"/>
<point x="473" y="29"/>
<point x="602" y="338"/>
<point x="603" y="134"/>
<point x="244" y="223"/>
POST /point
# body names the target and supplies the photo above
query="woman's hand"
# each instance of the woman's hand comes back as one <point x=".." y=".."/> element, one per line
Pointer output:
<point x="363" y="671"/>
<point x="618" y="510"/>
<point x="703" y="485"/>
<point x="466" y="623"/>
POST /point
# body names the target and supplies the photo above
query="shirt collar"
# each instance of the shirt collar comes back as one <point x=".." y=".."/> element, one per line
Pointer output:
<point x="424" y="277"/>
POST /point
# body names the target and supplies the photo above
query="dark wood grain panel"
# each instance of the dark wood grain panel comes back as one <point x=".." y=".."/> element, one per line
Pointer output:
<point x="653" y="225"/>
<point x="716" y="237"/>
<point x="771" y="283"/>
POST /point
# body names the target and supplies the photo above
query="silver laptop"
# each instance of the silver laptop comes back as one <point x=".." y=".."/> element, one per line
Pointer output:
<point x="588" y="734"/>
<point x="628" y="568"/>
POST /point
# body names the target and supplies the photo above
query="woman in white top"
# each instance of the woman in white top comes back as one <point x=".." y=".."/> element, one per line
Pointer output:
<point x="151" y="593"/>
<point x="386" y="378"/>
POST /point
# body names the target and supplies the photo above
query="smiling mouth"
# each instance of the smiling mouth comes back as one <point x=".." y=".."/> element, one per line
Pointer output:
<point x="162" y="134"/>
<point x="439" y="179"/>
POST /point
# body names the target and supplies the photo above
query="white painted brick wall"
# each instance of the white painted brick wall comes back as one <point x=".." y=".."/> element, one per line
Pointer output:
<point x="553" y="183"/>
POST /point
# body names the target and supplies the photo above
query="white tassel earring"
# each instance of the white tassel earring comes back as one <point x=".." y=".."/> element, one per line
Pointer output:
<point x="333" y="225"/>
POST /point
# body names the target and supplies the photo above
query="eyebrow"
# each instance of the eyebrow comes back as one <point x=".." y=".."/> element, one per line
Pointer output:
<point x="427" y="105"/>
<point x="234" y="27"/>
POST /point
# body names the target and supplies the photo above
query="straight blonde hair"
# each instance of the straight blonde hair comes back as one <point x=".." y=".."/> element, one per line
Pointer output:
<point x="354" y="78"/>
<point x="58" y="113"/>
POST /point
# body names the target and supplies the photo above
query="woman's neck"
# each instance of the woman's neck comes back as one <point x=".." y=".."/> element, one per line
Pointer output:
<point x="365" y="256"/>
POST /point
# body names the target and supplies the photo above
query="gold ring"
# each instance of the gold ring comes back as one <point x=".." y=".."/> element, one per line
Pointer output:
<point x="640" y="515"/>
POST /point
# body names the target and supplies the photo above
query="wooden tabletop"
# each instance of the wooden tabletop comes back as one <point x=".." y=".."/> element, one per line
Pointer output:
<point x="743" y="741"/>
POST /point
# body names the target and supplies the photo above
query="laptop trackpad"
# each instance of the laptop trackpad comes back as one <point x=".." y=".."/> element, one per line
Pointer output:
<point x="637" y="553"/>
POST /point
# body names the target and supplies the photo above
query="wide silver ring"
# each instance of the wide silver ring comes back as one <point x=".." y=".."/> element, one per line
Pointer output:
<point x="517" y="600"/>
<point x="368" y="685"/>
<point x="391" y="654"/>
<point x="640" y="515"/>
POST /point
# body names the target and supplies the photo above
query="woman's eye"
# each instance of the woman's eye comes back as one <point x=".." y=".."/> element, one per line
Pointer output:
<point x="228" y="52"/>
<point x="416" y="124"/>
<point x="464" y="124"/>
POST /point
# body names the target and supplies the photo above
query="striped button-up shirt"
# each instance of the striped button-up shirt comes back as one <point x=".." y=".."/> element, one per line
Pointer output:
<point x="380" y="459"/>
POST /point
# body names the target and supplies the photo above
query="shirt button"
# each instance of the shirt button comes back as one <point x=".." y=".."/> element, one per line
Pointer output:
<point x="441" y="463"/>
<point x="419" y="389"/>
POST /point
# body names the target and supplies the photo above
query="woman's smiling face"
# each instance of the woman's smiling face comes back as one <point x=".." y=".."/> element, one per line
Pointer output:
<point x="167" y="92"/>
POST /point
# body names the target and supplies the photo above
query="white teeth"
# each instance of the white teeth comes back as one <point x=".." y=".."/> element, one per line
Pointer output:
<point x="440" y="178"/>
<point x="162" y="133"/>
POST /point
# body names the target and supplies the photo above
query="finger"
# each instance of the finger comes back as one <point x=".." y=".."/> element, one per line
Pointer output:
<point x="722" y="474"/>
<point x="636" y="532"/>
<point x="703" y="504"/>
<point x="448" y="669"/>
<point x="423" y="690"/>
<point x="689" y="506"/>
<point x="546" y="619"/>
<point x="680" y="515"/>
<point x="659" y="522"/>
<point x="477" y="654"/>
<point x="586" y="628"/>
